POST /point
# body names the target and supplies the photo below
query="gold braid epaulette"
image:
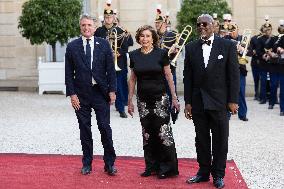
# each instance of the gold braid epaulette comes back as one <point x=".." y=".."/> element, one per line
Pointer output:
<point x="170" y="39"/>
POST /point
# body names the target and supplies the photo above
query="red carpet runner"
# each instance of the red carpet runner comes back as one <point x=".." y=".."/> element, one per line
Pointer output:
<point x="22" y="171"/>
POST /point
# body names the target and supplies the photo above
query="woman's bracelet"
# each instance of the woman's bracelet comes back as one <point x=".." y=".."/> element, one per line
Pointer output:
<point x="174" y="97"/>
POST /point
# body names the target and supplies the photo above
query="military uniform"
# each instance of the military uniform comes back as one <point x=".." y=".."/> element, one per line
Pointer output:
<point x="278" y="77"/>
<point x="242" y="112"/>
<point x="123" y="42"/>
<point x="265" y="42"/>
<point x="166" y="41"/>
<point x="254" y="65"/>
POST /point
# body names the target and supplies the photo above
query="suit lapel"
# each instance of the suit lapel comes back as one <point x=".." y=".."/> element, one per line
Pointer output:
<point x="199" y="54"/>
<point x="81" y="51"/>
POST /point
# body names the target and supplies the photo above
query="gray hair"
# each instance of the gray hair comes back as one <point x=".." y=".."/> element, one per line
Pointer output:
<point x="89" y="17"/>
<point x="211" y="20"/>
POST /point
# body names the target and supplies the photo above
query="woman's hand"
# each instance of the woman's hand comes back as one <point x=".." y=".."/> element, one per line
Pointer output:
<point x="176" y="104"/>
<point x="130" y="108"/>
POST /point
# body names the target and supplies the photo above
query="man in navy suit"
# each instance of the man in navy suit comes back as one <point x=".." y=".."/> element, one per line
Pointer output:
<point x="211" y="88"/>
<point x="91" y="84"/>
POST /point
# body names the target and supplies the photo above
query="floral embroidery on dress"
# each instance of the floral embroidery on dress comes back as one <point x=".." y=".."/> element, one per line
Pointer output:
<point x="166" y="134"/>
<point x="142" y="108"/>
<point x="145" y="136"/>
<point x="162" y="106"/>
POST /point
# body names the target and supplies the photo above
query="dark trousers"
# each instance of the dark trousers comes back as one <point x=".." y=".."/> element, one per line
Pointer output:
<point x="263" y="82"/>
<point x="274" y="83"/>
<point x="102" y="110"/>
<point x="256" y="78"/>
<point x="218" y="123"/>
<point x="121" y="95"/>
<point x="242" y="113"/>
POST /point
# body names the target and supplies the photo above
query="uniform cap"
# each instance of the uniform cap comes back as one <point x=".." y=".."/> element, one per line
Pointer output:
<point x="159" y="17"/>
<point x="108" y="10"/>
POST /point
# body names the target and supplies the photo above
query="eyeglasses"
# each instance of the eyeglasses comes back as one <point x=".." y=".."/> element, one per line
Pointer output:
<point x="204" y="24"/>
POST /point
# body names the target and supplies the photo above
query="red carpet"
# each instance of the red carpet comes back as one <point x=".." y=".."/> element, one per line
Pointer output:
<point x="23" y="171"/>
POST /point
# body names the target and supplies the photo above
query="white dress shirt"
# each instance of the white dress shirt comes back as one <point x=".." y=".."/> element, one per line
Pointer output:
<point x="92" y="51"/>
<point x="207" y="50"/>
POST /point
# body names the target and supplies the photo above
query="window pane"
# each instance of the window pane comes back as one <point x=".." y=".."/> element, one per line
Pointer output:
<point x="86" y="6"/>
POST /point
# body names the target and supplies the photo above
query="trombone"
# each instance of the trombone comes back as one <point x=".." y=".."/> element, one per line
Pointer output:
<point x="247" y="34"/>
<point x="112" y="38"/>
<point x="179" y="44"/>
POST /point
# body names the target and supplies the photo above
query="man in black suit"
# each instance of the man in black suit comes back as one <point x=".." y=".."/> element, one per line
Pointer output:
<point x="211" y="88"/>
<point x="91" y="83"/>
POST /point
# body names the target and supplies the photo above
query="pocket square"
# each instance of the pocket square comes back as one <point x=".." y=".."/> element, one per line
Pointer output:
<point x="220" y="57"/>
<point x="97" y="43"/>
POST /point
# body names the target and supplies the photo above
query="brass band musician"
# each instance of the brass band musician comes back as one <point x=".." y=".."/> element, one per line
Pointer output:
<point x="277" y="75"/>
<point x="264" y="49"/>
<point x="167" y="38"/>
<point x="234" y="36"/>
<point x="119" y="40"/>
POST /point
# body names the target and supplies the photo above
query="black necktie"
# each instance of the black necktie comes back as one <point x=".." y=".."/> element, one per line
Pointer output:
<point x="207" y="42"/>
<point x="88" y="53"/>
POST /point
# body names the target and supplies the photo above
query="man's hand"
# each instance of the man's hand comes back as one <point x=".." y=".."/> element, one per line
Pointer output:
<point x="174" y="49"/>
<point x="130" y="107"/>
<point x="240" y="49"/>
<point x="75" y="102"/>
<point x="187" y="111"/>
<point x="233" y="108"/>
<point x="112" y="97"/>
<point x="254" y="52"/>
<point x="280" y="50"/>
<point x="265" y="57"/>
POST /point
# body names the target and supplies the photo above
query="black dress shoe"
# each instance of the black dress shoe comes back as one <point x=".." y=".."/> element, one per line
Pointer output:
<point x="122" y="114"/>
<point x="218" y="182"/>
<point x="270" y="107"/>
<point x="255" y="98"/>
<point x="86" y="170"/>
<point x="244" y="118"/>
<point x="162" y="176"/>
<point x="111" y="170"/>
<point x="262" y="102"/>
<point x="197" y="179"/>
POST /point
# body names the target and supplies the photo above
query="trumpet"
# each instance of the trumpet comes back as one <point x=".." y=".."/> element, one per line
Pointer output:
<point x="245" y="43"/>
<point x="179" y="44"/>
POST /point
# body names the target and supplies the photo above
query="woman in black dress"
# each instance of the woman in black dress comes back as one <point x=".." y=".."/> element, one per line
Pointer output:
<point x="150" y="67"/>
